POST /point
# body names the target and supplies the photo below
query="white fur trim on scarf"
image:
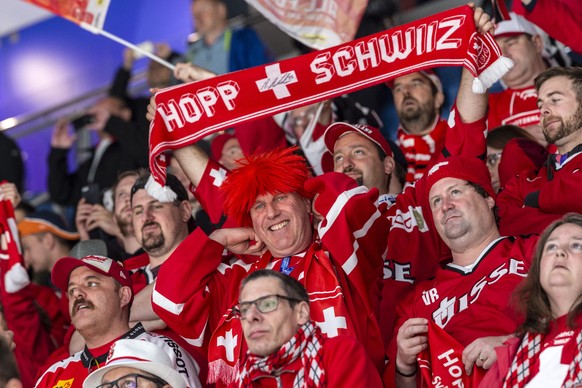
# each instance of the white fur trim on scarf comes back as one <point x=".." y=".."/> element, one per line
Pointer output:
<point x="491" y="75"/>
<point x="159" y="192"/>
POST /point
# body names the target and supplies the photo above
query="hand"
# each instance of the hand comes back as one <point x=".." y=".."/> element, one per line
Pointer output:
<point x="187" y="72"/>
<point x="481" y="352"/>
<point x="151" y="114"/>
<point x="482" y="20"/>
<point x="103" y="219"/>
<point x="83" y="212"/>
<point x="101" y="117"/>
<point x="163" y="50"/>
<point x="61" y="137"/>
<point x="411" y="340"/>
<point x="238" y="241"/>
<point x="9" y="192"/>
<point x="128" y="59"/>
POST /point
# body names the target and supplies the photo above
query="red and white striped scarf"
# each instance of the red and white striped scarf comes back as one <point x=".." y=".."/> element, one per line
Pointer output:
<point x="188" y="113"/>
<point x="306" y="344"/>
<point x="519" y="373"/>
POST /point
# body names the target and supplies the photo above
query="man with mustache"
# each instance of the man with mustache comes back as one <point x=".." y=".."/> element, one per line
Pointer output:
<point x="100" y="297"/>
<point x="535" y="198"/>
<point x="418" y="98"/>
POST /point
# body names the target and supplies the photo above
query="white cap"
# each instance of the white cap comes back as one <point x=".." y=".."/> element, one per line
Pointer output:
<point x="516" y="25"/>
<point x="139" y="354"/>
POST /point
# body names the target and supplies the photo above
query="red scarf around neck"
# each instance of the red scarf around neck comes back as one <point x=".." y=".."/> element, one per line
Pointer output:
<point x="187" y="113"/>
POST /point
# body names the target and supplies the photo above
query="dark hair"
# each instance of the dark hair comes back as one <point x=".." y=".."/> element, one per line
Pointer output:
<point x="572" y="73"/>
<point x="532" y="298"/>
<point x="498" y="137"/>
<point x="291" y="287"/>
<point x="482" y="192"/>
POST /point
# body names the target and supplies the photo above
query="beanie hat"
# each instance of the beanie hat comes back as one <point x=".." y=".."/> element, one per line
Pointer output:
<point x="469" y="169"/>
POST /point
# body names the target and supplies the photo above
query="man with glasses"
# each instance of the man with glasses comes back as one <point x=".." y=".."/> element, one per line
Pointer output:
<point x="136" y="363"/>
<point x="100" y="297"/>
<point x="286" y="345"/>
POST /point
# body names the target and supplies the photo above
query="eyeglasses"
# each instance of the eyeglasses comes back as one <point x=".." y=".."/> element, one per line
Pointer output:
<point x="265" y="304"/>
<point x="493" y="159"/>
<point x="134" y="380"/>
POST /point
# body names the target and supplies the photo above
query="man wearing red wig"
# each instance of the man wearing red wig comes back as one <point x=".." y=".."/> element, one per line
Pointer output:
<point x="340" y="264"/>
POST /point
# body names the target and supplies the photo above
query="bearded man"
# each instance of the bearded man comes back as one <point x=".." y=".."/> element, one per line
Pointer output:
<point x="535" y="198"/>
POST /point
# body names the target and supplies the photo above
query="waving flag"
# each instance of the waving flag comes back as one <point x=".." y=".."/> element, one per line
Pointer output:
<point x="90" y="15"/>
<point x="317" y="24"/>
<point x="91" y="12"/>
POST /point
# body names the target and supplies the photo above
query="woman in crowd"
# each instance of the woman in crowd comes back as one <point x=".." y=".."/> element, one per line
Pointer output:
<point x="548" y="349"/>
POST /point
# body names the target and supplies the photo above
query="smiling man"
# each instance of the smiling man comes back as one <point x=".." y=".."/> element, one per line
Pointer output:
<point x="285" y="345"/>
<point x="535" y="198"/>
<point x="100" y="296"/>
<point x="270" y="196"/>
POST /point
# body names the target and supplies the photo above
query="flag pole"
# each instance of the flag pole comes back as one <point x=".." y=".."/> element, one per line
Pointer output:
<point x="117" y="39"/>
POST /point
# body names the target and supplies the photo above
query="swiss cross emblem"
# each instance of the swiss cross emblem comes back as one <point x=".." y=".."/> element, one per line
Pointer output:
<point x="277" y="81"/>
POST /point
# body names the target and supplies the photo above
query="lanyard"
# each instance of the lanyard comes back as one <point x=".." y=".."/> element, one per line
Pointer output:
<point x="285" y="269"/>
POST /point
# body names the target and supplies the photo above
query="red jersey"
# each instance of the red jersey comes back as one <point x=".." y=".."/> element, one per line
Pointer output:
<point x="472" y="303"/>
<point x="72" y="371"/>
<point x="415" y="248"/>
<point x="345" y="362"/>
<point x="534" y="199"/>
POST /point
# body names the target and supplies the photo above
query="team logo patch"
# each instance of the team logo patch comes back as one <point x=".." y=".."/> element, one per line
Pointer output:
<point x="64" y="383"/>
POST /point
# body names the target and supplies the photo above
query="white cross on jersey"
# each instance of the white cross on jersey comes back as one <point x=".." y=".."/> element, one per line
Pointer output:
<point x="218" y="175"/>
<point x="229" y="343"/>
<point x="276" y="81"/>
<point x="331" y="323"/>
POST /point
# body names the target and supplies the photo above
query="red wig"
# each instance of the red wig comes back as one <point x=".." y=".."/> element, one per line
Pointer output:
<point x="277" y="171"/>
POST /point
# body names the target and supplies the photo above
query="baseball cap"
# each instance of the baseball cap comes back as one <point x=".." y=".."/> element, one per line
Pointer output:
<point x="45" y="221"/>
<point x="428" y="73"/>
<point x="139" y="354"/>
<point x="171" y="181"/>
<point x="514" y="26"/>
<point x="218" y="143"/>
<point x="466" y="168"/>
<point x="100" y="264"/>
<point x="337" y="130"/>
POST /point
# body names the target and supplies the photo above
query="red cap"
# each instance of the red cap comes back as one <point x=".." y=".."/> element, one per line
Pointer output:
<point x="337" y="130"/>
<point x="100" y="264"/>
<point x="466" y="168"/>
<point x="218" y="144"/>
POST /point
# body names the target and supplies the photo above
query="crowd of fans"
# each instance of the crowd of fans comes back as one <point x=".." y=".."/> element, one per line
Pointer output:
<point x="307" y="249"/>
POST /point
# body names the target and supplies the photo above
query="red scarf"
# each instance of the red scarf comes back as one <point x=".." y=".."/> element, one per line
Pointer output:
<point x="441" y="364"/>
<point x="306" y="344"/>
<point x="188" y="113"/>
<point x="12" y="269"/>
<point x="226" y="347"/>
<point x="529" y="349"/>
<point x="420" y="149"/>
